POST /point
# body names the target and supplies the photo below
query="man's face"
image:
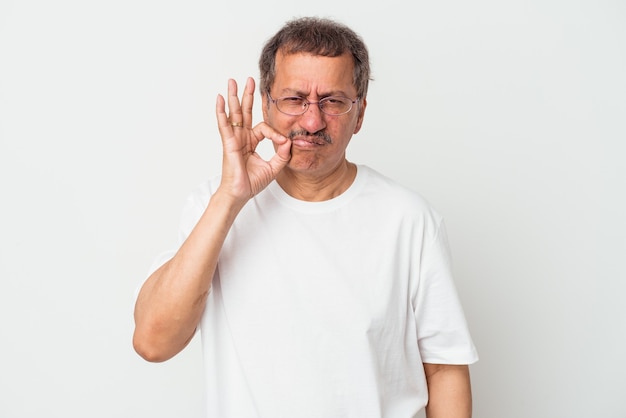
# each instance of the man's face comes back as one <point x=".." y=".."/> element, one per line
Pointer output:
<point x="314" y="78"/>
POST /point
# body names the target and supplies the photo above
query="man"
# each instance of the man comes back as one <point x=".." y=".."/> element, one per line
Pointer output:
<point x="321" y="288"/>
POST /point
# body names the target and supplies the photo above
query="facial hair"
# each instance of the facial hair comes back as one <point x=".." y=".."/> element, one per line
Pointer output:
<point x="319" y="134"/>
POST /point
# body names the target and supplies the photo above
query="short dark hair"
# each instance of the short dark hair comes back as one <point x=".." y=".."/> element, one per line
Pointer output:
<point x="317" y="36"/>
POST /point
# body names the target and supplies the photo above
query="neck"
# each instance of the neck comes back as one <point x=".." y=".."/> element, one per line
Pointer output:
<point x="315" y="188"/>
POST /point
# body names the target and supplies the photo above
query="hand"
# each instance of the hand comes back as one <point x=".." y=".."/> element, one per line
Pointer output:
<point x="244" y="172"/>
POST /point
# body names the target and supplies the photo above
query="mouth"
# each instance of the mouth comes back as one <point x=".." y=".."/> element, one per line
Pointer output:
<point x="306" y="139"/>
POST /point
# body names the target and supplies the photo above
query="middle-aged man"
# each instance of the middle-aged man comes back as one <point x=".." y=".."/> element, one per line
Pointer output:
<point x="321" y="288"/>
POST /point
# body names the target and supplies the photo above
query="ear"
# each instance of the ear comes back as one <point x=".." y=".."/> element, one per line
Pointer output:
<point x="359" y="120"/>
<point x="265" y="106"/>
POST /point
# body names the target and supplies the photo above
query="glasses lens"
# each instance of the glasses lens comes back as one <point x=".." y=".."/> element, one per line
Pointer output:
<point x="335" y="105"/>
<point x="291" y="105"/>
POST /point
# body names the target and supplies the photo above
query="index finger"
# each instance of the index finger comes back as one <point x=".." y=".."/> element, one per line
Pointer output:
<point x="282" y="144"/>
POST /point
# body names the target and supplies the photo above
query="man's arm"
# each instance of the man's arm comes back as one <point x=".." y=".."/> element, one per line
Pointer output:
<point x="171" y="302"/>
<point x="449" y="391"/>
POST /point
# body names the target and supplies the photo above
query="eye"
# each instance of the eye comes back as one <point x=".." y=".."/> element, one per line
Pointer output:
<point x="291" y="101"/>
<point x="333" y="100"/>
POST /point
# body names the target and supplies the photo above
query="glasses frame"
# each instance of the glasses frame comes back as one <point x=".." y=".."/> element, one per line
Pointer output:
<point x="308" y="103"/>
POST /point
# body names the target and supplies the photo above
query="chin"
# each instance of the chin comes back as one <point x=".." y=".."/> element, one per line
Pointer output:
<point x="302" y="163"/>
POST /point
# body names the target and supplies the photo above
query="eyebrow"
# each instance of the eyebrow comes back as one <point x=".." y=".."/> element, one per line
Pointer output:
<point x="293" y="92"/>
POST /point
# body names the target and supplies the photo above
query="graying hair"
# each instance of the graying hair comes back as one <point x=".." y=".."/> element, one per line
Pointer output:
<point x="317" y="36"/>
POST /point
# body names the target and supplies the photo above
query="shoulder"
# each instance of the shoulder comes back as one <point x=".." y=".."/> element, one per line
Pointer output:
<point x="196" y="202"/>
<point x="201" y="194"/>
<point x="395" y="197"/>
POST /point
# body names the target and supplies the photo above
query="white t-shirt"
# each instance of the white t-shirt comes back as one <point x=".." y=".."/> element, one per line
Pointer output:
<point x="328" y="309"/>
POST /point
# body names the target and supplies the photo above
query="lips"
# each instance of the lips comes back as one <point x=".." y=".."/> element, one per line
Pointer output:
<point x="304" y="138"/>
<point x="308" y="141"/>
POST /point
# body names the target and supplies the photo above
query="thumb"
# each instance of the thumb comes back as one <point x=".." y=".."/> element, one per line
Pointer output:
<point x="282" y="156"/>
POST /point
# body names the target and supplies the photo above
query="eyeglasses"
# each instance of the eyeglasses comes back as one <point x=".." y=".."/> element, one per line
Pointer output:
<point x="331" y="105"/>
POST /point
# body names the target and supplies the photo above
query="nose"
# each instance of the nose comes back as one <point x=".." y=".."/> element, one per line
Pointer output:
<point x="313" y="119"/>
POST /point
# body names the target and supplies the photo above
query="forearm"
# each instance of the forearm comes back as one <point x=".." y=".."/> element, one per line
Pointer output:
<point x="449" y="391"/>
<point x="171" y="302"/>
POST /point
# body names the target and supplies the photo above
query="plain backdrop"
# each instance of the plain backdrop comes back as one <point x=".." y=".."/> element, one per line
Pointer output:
<point x="508" y="116"/>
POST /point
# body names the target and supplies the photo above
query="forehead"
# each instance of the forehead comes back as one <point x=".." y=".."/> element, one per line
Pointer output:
<point x="307" y="73"/>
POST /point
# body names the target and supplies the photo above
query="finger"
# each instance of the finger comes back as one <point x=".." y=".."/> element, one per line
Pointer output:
<point x="246" y="103"/>
<point x="223" y="124"/>
<point x="234" y="107"/>
<point x="282" y="156"/>
<point x="282" y="145"/>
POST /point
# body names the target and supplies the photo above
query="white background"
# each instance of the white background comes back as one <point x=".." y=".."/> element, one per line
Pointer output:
<point x="509" y="117"/>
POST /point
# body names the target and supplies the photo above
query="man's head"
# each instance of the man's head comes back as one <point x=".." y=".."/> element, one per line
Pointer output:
<point x="319" y="62"/>
<point x="316" y="36"/>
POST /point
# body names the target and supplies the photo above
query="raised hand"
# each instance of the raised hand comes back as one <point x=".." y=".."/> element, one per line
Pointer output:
<point x="244" y="172"/>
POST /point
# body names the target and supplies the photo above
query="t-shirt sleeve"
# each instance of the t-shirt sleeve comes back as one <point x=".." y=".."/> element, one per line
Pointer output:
<point x="442" y="331"/>
<point x="193" y="208"/>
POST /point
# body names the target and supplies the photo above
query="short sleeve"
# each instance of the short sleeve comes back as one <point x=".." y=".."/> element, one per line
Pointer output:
<point x="193" y="208"/>
<point x="442" y="330"/>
